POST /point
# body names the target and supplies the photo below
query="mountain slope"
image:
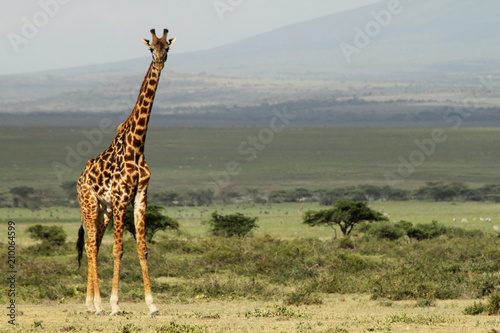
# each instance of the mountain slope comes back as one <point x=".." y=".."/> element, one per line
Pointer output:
<point x="419" y="38"/>
<point x="427" y="40"/>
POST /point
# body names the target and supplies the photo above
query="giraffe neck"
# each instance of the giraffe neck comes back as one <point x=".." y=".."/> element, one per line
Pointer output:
<point x="137" y="123"/>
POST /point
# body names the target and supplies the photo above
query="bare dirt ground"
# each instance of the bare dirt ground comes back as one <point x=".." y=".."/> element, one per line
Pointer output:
<point x="338" y="313"/>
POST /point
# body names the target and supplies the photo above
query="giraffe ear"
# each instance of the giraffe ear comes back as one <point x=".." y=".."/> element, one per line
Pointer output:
<point x="171" y="42"/>
<point x="146" y="42"/>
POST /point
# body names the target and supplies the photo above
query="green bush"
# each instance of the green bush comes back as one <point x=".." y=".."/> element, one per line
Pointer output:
<point x="296" y="271"/>
<point x="387" y="230"/>
<point x="475" y="309"/>
<point x="427" y="231"/>
<point x="493" y="304"/>
<point x="155" y="221"/>
<point x="231" y="225"/>
<point x="53" y="235"/>
<point x="346" y="243"/>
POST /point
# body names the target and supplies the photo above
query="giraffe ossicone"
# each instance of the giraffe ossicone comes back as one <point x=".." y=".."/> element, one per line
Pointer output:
<point x="119" y="176"/>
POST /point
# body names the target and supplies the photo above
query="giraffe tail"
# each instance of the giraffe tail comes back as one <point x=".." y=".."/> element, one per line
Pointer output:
<point x="79" y="245"/>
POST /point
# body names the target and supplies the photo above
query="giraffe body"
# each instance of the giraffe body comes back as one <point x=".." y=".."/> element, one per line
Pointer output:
<point x="114" y="179"/>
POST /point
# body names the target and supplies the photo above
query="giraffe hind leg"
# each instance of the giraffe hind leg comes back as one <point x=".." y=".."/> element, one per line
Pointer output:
<point x="90" y="216"/>
<point x="119" y="223"/>
<point x="140" y="205"/>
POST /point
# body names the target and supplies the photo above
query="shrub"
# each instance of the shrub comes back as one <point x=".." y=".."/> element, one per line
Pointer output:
<point x="346" y="243"/>
<point x="155" y="221"/>
<point x="427" y="231"/>
<point x="475" y="309"/>
<point x="388" y="231"/>
<point x="231" y="225"/>
<point x="54" y="235"/>
<point x="493" y="304"/>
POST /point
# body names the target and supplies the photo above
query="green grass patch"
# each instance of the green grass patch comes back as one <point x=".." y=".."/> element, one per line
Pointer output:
<point x="294" y="271"/>
<point x="187" y="159"/>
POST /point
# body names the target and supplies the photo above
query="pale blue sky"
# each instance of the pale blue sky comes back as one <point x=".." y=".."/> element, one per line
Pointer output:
<point x="39" y="35"/>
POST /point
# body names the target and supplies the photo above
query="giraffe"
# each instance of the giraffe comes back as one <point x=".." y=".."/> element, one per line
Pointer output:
<point x="114" y="179"/>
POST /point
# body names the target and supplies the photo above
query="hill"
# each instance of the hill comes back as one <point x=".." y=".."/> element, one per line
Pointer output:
<point x="430" y="39"/>
<point x="438" y="52"/>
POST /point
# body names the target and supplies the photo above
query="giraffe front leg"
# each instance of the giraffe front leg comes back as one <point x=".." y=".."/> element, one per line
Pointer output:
<point x="140" y="230"/>
<point x="90" y="290"/>
<point x="117" y="256"/>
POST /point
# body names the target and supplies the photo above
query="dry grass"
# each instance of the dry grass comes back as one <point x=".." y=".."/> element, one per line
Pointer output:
<point x="352" y="313"/>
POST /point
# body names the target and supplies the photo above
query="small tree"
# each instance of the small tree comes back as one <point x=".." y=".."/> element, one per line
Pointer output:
<point x="155" y="221"/>
<point x="22" y="194"/>
<point x="345" y="214"/>
<point x="231" y="225"/>
<point x="54" y="235"/>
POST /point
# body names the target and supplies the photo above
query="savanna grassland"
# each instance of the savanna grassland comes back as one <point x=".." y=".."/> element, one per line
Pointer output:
<point x="197" y="158"/>
<point x="286" y="277"/>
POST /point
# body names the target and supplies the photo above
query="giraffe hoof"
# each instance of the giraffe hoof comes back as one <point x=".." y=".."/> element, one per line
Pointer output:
<point x="119" y="313"/>
<point x="100" y="313"/>
<point x="155" y="313"/>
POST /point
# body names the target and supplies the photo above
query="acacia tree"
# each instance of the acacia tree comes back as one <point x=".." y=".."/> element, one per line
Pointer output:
<point x="345" y="214"/>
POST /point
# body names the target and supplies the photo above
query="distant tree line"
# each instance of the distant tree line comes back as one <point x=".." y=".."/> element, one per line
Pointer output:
<point x="430" y="191"/>
<point x="28" y="197"/>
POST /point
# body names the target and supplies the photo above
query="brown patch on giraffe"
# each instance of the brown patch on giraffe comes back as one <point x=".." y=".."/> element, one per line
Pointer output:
<point x="141" y="122"/>
<point x="150" y="93"/>
<point x="140" y="131"/>
<point x="137" y="142"/>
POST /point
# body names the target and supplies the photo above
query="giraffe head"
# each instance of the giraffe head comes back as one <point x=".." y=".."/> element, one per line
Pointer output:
<point x="159" y="47"/>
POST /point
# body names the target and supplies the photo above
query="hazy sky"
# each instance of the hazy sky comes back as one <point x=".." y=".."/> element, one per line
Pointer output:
<point x="49" y="34"/>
